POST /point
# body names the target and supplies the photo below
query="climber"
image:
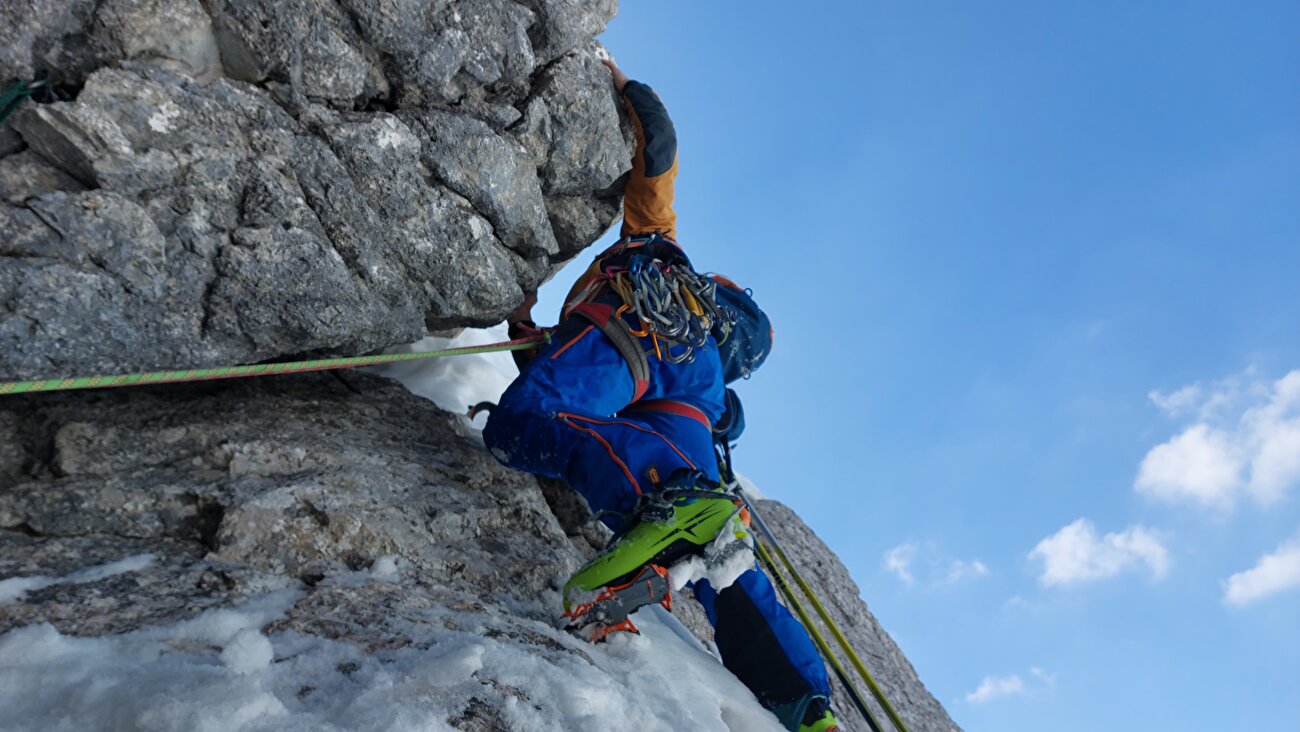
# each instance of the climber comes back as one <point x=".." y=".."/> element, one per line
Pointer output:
<point x="633" y="433"/>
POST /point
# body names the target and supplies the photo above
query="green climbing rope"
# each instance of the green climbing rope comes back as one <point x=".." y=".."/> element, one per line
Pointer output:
<point x="265" y="369"/>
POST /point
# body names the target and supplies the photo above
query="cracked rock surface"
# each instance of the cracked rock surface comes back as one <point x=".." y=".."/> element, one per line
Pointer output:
<point x="237" y="489"/>
<point x="236" y="180"/>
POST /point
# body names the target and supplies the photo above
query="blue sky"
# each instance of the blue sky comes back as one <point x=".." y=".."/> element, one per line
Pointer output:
<point x="988" y="234"/>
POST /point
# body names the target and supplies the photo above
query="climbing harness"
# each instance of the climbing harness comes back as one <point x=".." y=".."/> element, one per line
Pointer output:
<point x="765" y="555"/>
<point x="13" y="97"/>
<point x="264" y="369"/>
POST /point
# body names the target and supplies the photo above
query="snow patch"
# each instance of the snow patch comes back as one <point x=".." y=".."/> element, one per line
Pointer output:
<point x="724" y="560"/>
<point x="14" y="588"/>
<point x="248" y="652"/>
<point x="384" y="567"/>
<point x="219" y="671"/>
<point x="751" y="491"/>
<point x="456" y="383"/>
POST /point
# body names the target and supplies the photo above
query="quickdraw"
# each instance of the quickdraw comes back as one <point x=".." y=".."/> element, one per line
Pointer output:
<point x="672" y="303"/>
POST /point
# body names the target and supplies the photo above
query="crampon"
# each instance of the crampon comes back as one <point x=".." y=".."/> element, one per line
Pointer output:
<point x="610" y="610"/>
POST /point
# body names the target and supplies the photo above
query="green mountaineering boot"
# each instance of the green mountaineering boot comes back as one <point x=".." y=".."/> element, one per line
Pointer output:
<point x="824" y="723"/>
<point x="633" y="570"/>
<point x="811" y="713"/>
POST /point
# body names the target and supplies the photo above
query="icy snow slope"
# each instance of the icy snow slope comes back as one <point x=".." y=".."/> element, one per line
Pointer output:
<point x="254" y="667"/>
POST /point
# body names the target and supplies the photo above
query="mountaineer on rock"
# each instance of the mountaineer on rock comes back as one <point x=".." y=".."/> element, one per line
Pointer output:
<point x="634" y="433"/>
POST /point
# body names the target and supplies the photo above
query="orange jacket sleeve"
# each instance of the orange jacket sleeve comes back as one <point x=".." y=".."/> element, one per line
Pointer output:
<point x="648" y="198"/>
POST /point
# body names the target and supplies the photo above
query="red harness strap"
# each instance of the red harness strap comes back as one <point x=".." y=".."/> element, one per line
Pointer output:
<point x="672" y="406"/>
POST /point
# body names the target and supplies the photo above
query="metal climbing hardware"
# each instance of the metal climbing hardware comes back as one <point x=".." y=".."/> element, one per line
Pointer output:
<point x="644" y="287"/>
<point x="672" y="304"/>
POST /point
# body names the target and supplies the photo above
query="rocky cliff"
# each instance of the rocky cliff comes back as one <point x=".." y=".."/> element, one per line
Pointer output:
<point x="229" y="181"/>
<point x="236" y="180"/>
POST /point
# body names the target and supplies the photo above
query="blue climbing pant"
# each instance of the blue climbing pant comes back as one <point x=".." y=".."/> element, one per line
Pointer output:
<point x="571" y="415"/>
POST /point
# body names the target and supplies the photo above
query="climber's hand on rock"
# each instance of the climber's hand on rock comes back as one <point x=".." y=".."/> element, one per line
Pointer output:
<point x="525" y="309"/>
<point x="620" y="78"/>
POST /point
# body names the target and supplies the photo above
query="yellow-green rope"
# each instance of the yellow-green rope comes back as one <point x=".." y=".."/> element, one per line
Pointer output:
<point x="822" y="646"/>
<point x="876" y="691"/>
<point x="265" y="369"/>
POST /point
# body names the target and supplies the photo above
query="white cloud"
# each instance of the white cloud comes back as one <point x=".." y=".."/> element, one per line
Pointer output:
<point x="1044" y="676"/>
<point x="1076" y="554"/>
<point x="928" y="561"/>
<point x="996" y="687"/>
<point x="1273" y="573"/>
<point x="1275" y="427"/>
<point x="960" y="570"/>
<point x="1244" y="441"/>
<point x="1200" y="464"/>
<point x="899" y="561"/>
<point x="1179" y="402"/>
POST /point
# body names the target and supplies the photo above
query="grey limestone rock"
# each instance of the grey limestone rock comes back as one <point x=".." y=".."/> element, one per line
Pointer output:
<point x="64" y="40"/>
<point x="240" y="180"/>
<point x="26" y="175"/>
<point x="488" y="170"/>
<point x="567" y="23"/>
<point x="34" y="31"/>
<point x="240" y="487"/>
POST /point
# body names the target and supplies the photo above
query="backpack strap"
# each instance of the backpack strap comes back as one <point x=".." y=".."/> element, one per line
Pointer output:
<point x="604" y="316"/>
